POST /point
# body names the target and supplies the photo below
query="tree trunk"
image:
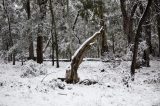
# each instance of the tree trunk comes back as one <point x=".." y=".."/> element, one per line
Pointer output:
<point x="14" y="58"/>
<point x="147" y="29"/>
<point x="42" y="6"/>
<point x="104" y="46"/>
<point x="54" y="44"/>
<point x="10" y="40"/>
<point x="71" y="72"/>
<point x="31" y="47"/>
<point x="158" y="28"/>
<point x="125" y="19"/>
<point x="69" y="30"/>
<point x="113" y="44"/>
<point x="157" y="2"/>
<point x="128" y="20"/>
<point x="52" y="15"/>
<point x="136" y="42"/>
<point x="39" y="49"/>
<point x="52" y="49"/>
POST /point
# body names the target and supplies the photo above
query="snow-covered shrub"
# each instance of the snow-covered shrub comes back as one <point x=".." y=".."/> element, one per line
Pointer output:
<point x="128" y="55"/>
<point x="33" y="69"/>
<point x="108" y="56"/>
<point x="141" y="47"/>
<point x="155" y="45"/>
<point x="47" y="86"/>
<point x="2" y="55"/>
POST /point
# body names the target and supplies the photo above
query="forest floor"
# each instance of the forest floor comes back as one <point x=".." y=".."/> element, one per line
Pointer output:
<point x="26" y="86"/>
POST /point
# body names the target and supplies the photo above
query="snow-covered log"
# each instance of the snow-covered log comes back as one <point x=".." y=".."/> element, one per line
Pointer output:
<point x="71" y="72"/>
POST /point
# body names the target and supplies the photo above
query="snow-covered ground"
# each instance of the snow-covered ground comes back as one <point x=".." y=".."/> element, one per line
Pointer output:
<point x="112" y="89"/>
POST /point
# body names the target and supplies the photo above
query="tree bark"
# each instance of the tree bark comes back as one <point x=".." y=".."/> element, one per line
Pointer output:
<point x="31" y="47"/>
<point x="71" y="72"/>
<point x="158" y="28"/>
<point x="69" y="30"/>
<point x="138" y="33"/>
<point x="128" y="20"/>
<point x="42" y="6"/>
<point x="54" y="43"/>
<point x="157" y="3"/>
<point x="52" y="22"/>
<point x="14" y="57"/>
<point x="148" y="32"/>
<point x="10" y="40"/>
<point x="104" y="46"/>
<point x="40" y="48"/>
<point x="147" y="28"/>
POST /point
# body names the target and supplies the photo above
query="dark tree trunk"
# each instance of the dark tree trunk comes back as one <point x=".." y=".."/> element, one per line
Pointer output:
<point x="138" y="33"/>
<point x="52" y="49"/>
<point x="128" y="20"/>
<point x="125" y="19"/>
<point x="31" y="47"/>
<point x="158" y="28"/>
<point x="28" y="9"/>
<point x="113" y="46"/>
<point x="57" y="50"/>
<point x="54" y="44"/>
<point x="39" y="49"/>
<point x="10" y="40"/>
<point x="52" y="15"/>
<point x="14" y="58"/>
<point x="147" y="28"/>
<point x="157" y="5"/>
<point x="104" y="46"/>
<point x="42" y="6"/>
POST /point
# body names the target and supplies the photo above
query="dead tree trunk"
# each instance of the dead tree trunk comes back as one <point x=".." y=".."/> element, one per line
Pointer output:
<point x="136" y="42"/>
<point x="71" y="72"/>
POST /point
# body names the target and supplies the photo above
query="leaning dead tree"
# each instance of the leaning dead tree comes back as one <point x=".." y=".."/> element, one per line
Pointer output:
<point x="77" y="58"/>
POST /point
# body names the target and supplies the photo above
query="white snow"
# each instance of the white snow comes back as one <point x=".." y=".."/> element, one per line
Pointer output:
<point x="111" y="89"/>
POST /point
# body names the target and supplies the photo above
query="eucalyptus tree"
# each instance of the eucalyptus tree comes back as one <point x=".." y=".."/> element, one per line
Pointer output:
<point x="138" y="34"/>
<point x="54" y="35"/>
<point x="128" y="9"/>
<point x="30" y="37"/>
<point x="8" y="17"/>
<point x="97" y="7"/>
<point x="157" y="5"/>
<point x="42" y="14"/>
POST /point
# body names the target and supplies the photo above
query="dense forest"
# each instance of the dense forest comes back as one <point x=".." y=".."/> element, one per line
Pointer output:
<point x="119" y="37"/>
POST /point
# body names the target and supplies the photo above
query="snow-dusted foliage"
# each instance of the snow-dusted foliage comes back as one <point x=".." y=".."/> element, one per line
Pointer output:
<point x="129" y="53"/>
<point x="33" y="69"/>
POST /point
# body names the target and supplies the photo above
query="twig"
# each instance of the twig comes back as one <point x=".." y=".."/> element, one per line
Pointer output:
<point x="46" y="76"/>
<point x="62" y="94"/>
